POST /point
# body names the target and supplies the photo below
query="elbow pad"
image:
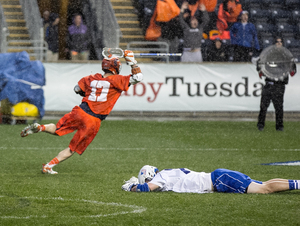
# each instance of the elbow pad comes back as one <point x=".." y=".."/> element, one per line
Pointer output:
<point x="294" y="70"/>
<point x="136" y="70"/>
<point x="258" y="66"/>
<point x="136" y="78"/>
<point x="79" y="91"/>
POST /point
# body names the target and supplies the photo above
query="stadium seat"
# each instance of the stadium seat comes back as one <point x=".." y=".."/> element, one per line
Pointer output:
<point x="267" y="3"/>
<point x="295" y="16"/>
<point x="292" y="4"/>
<point x="226" y="41"/>
<point x="257" y="14"/>
<point x="298" y="31"/>
<point x="279" y="15"/>
<point x="264" y="28"/>
<point x="286" y="35"/>
<point x="251" y="3"/>
<point x="286" y="29"/>
<point x="296" y="54"/>
<point x="266" y="41"/>
<point x="290" y="42"/>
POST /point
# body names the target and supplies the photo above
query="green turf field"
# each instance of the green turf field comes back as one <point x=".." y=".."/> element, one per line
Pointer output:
<point x="87" y="190"/>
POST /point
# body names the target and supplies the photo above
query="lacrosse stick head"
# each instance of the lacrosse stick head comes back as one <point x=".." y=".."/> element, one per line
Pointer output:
<point x="109" y="53"/>
<point x="113" y="65"/>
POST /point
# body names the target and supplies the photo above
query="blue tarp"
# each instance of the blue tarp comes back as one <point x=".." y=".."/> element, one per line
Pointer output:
<point x="22" y="80"/>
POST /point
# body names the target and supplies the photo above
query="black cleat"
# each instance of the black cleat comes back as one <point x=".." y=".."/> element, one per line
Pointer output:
<point x="280" y="129"/>
<point x="260" y="128"/>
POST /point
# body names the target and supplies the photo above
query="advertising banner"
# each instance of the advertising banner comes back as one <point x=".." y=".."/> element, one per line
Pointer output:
<point x="172" y="87"/>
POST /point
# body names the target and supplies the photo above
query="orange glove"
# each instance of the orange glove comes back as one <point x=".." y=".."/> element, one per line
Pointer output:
<point x="129" y="57"/>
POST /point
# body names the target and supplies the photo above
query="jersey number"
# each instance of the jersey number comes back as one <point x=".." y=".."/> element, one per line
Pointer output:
<point x="104" y="85"/>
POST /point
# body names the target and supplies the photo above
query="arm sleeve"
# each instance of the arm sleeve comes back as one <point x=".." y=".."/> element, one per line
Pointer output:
<point x="121" y="82"/>
<point x="160" y="180"/>
<point x="81" y="84"/>
<point x="205" y="19"/>
<point x="236" y="11"/>
<point x="183" y="24"/>
<point x="87" y="35"/>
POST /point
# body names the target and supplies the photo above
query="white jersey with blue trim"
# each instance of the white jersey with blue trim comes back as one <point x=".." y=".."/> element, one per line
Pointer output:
<point x="183" y="180"/>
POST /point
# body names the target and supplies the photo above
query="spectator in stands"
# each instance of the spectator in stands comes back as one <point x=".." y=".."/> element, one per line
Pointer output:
<point x="228" y="14"/>
<point x="164" y="24"/>
<point x="78" y="39"/>
<point x="50" y="23"/>
<point x="244" y="39"/>
<point x="145" y="10"/>
<point x="187" y="18"/>
<point x="192" y="35"/>
<point x="210" y="6"/>
<point x="217" y="52"/>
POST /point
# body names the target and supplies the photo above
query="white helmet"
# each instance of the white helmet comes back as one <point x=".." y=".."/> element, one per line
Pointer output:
<point x="147" y="173"/>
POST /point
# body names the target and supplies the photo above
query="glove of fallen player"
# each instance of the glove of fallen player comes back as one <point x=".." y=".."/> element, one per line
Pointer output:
<point x="130" y="183"/>
<point x="129" y="57"/>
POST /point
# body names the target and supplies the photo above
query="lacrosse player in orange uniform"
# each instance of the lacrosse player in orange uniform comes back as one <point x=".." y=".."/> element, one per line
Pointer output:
<point x="100" y="93"/>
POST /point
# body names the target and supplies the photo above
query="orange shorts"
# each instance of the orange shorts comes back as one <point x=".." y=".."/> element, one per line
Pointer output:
<point x="87" y="127"/>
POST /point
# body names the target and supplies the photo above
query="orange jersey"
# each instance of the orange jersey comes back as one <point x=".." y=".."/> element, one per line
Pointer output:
<point x="101" y="94"/>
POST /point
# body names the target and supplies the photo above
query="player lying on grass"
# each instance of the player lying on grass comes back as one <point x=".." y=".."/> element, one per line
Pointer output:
<point x="100" y="93"/>
<point x="183" y="180"/>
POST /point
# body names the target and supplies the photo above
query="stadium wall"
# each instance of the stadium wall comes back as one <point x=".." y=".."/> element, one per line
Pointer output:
<point x="197" y="88"/>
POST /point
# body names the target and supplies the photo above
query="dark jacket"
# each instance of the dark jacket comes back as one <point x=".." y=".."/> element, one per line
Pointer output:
<point x="78" y="38"/>
<point x="217" y="55"/>
<point x="51" y="33"/>
<point x="244" y="37"/>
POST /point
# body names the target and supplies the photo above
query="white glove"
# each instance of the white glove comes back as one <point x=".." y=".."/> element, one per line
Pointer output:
<point x="129" y="57"/>
<point x="130" y="183"/>
<point x="136" y="78"/>
<point x="133" y="180"/>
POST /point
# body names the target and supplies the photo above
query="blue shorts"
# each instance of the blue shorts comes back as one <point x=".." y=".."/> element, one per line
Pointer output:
<point x="229" y="181"/>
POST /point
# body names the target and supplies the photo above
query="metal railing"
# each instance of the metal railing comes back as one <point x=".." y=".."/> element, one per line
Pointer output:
<point x="3" y="31"/>
<point x="107" y="22"/>
<point x="35" y="27"/>
<point x="148" y="46"/>
<point x="39" y="48"/>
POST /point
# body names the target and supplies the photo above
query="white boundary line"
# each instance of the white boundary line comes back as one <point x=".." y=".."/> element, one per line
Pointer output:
<point x="135" y="209"/>
<point x="142" y="149"/>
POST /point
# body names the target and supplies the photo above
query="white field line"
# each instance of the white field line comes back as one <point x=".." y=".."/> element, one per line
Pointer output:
<point x="135" y="209"/>
<point x="166" y="149"/>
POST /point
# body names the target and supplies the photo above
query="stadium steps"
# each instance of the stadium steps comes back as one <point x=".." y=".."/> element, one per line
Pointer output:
<point x="16" y="25"/>
<point x="127" y="19"/>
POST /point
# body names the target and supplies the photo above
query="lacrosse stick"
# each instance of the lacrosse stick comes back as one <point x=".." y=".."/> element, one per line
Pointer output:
<point x="108" y="53"/>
